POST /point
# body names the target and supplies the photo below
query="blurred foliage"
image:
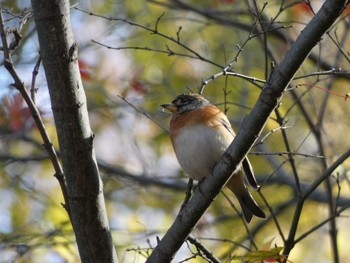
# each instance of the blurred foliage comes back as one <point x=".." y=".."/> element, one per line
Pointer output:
<point x="159" y="49"/>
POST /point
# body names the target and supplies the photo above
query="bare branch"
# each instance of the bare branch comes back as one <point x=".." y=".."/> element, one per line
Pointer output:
<point x="250" y="129"/>
<point x="33" y="89"/>
<point x="200" y="247"/>
<point x="156" y="32"/>
<point x="18" y="84"/>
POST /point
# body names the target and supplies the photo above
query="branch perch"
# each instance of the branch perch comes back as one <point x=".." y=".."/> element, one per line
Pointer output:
<point x="249" y="132"/>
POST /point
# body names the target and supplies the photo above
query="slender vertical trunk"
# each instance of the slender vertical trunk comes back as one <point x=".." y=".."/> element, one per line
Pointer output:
<point x="59" y="54"/>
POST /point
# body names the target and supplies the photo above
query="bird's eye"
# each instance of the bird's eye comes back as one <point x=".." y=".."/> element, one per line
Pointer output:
<point x="183" y="101"/>
<point x="179" y="102"/>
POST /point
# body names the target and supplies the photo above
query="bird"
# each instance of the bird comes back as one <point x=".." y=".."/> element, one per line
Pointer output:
<point x="200" y="133"/>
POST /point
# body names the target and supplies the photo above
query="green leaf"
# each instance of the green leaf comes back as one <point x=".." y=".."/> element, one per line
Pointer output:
<point x="268" y="255"/>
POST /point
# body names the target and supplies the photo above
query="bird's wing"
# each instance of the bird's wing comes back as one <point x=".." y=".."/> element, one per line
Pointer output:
<point x="248" y="170"/>
<point x="247" y="167"/>
<point x="227" y="125"/>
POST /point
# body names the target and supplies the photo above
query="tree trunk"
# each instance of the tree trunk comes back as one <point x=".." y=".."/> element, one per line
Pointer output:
<point x="86" y="205"/>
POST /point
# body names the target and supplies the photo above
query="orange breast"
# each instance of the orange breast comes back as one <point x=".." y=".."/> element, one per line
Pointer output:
<point x="199" y="116"/>
<point x="200" y="137"/>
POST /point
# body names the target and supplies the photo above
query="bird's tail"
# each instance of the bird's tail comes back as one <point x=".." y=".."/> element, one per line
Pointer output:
<point x="249" y="206"/>
<point x="246" y="200"/>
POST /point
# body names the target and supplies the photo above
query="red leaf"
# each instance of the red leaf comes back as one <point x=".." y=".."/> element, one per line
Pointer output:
<point x="84" y="70"/>
<point x="19" y="116"/>
<point x="302" y="8"/>
<point x="137" y="84"/>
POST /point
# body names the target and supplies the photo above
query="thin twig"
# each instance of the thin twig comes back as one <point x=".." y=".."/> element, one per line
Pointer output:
<point x="331" y="72"/>
<point x="228" y="67"/>
<point x="33" y="89"/>
<point x="283" y="127"/>
<point x="249" y="234"/>
<point x="289" y="154"/>
<point x="319" y="225"/>
<point x="203" y="249"/>
<point x="156" y="32"/>
<point x="143" y="112"/>
<point x="168" y="50"/>
<point x="18" y="84"/>
<point x="291" y="241"/>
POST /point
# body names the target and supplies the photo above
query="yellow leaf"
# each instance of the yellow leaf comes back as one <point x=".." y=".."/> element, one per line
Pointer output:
<point x="268" y="255"/>
<point x="271" y="255"/>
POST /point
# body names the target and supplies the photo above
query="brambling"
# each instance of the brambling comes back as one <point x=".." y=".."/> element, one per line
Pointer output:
<point x="200" y="133"/>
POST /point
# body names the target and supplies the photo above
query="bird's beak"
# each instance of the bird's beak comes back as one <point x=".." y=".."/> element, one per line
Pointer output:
<point x="169" y="107"/>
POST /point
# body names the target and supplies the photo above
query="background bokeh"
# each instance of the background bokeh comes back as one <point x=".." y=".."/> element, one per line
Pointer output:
<point x="136" y="55"/>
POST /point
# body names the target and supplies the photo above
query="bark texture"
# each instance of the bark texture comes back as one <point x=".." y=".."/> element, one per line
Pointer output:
<point x="249" y="132"/>
<point x="86" y="206"/>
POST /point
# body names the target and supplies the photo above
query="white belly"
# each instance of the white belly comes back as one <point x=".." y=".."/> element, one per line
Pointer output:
<point x="197" y="155"/>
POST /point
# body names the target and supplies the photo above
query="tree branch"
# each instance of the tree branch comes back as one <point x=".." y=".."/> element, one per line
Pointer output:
<point x="18" y="84"/>
<point x="249" y="132"/>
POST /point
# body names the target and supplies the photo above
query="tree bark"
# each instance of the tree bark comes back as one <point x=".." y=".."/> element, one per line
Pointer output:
<point x="86" y="205"/>
<point x="249" y="132"/>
